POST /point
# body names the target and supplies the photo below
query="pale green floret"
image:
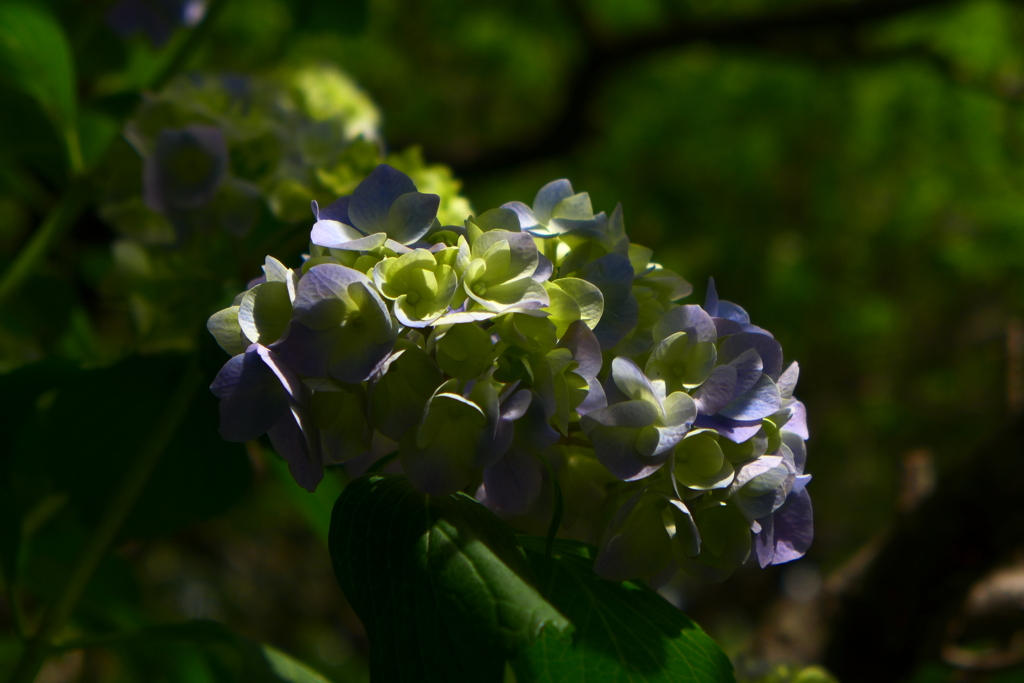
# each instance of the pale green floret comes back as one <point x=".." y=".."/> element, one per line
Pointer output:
<point x="465" y="351"/>
<point x="700" y="463"/>
<point x="573" y="299"/>
<point x="224" y="327"/>
<point x="496" y="271"/>
<point x="264" y="312"/>
<point x="421" y="287"/>
<point x="681" y="363"/>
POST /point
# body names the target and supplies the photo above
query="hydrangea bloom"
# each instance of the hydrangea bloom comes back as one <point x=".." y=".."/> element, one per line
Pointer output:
<point x="527" y="348"/>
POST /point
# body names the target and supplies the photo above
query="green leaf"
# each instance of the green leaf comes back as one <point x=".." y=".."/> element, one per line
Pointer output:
<point x="35" y="57"/>
<point x="227" y="657"/>
<point x="443" y="588"/>
<point x="624" y="631"/>
<point x="78" y="432"/>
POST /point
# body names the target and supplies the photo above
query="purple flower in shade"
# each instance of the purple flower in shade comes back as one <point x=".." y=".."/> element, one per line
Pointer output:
<point x="635" y="434"/>
<point x="613" y="275"/>
<point x="340" y="326"/>
<point x="786" y="533"/>
<point x="259" y="395"/>
<point x="156" y="18"/>
<point x="385" y="208"/>
<point x="513" y="479"/>
<point x="741" y="389"/>
<point x="185" y="169"/>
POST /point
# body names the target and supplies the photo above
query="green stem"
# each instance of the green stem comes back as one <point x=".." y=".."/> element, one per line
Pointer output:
<point x="185" y="49"/>
<point x="73" y="202"/>
<point x="99" y="543"/>
<point x="17" y="615"/>
<point x="56" y="224"/>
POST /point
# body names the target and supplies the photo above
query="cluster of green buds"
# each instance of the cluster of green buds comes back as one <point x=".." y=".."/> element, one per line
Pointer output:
<point x="524" y="349"/>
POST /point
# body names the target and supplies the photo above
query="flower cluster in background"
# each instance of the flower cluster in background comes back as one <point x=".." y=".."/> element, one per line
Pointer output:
<point x="524" y="346"/>
<point x="213" y="159"/>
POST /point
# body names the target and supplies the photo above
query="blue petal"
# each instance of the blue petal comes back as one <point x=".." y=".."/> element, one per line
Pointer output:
<point x="711" y="299"/>
<point x="411" y="216"/>
<point x="734" y="430"/>
<point x="794" y="528"/>
<point x="717" y="391"/>
<point x="584" y="347"/>
<point x="613" y="275"/>
<point x="291" y="444"/>
<point x="252" y="399"/>
<point x="335" y="211"/>
<point x="548" y="198"/>
<point x="371" y="201"/>
<point x="767" y="348"/>
<point x="514" y="482"/>
<point x="759" y="401"/>
<point x="691" y="319"/>
<point x="525" y="214"/>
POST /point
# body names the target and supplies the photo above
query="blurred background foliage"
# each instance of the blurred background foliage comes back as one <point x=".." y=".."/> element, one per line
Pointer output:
<point x="852" y="173"/>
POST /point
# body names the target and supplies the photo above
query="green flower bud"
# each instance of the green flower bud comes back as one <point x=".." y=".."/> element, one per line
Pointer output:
<point x="421" y="287"/>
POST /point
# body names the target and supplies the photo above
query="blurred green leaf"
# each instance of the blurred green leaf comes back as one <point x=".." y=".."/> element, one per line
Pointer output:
<point x="228" y="657"/>
<point x="624" y="631"/>
<point x="441" y="584"/>
<point x="348" y="17"/>
<point x="81" y="438"/>
<point x="36" y="58"/>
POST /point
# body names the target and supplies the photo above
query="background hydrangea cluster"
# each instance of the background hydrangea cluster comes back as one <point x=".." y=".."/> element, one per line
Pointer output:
<point x="523" y="347"/>
<point x="213" y="159"/>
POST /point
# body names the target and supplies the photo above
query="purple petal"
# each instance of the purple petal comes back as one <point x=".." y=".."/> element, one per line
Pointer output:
<point x="717" y="390"/>
<point x="730" y="311"/>
<point x="764" y="542"/>
<point x="335" y="211"/>
<point x="514" y="482"/>
<point x="290" y="443"/>
<point x="691" y="319"/>
<point x="787" y="380"/>
<point x="711" y="299"/>
<point x="411" y="215"/>
<point x="767" y="348"/>
<point x="252" y="399"/>
<point x="333" y="234"/>
<point x="797" y="422"/>
<point x="544" y="270"/>
<point x="725" y="327"/>
<point x="794" y="528"/>
<point x="523" y="212"/>
<point x="371" y="201"/>
<point x="735" y="431"/>
<point x="616" y="449"/>
<point x="584" y="347"/>
<point x="758" y="402"/>
<point x="205" y="154"/>
<point x="548" y="198"/>
<point x="613" y="275"/>
<point x="595" y="399"/>
<point x="748" y="370"/>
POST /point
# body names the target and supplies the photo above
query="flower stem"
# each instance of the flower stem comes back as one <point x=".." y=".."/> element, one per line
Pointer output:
<point x="38" y="646"/>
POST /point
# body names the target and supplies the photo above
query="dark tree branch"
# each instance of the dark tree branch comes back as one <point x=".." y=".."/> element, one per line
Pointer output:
<point x="789" y="31"/>
<point x="897" y="617"/>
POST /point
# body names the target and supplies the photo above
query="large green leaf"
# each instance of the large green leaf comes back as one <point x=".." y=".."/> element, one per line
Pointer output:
<point x="624" y="631"/>
<point x="35" y="57"/>
<point x="217" y="654"/>
<point x="441" y="584"/>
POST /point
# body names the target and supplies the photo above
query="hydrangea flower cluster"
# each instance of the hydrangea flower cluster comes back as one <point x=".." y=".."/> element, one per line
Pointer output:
<point x="526" y="346"/>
